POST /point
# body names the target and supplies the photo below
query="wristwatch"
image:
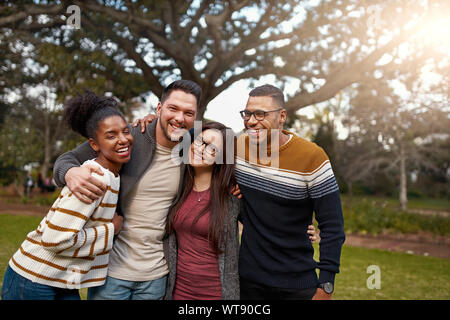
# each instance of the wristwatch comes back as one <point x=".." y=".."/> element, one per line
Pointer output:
<point x="327" y="287"/>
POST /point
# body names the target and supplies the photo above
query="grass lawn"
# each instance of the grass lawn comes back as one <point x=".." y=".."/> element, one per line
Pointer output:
<point x="403" y="276"/>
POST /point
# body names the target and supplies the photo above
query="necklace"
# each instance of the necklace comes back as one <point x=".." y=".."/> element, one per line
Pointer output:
<point x="200" y="194"/>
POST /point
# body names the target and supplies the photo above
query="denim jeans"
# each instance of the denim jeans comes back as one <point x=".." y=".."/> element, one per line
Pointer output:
<point x="16" y="287"/>
<point x="116" y="289"/>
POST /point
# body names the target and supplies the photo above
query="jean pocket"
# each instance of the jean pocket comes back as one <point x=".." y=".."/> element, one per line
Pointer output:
<point x="8" y="280"/>
<point x="37" y="291"/>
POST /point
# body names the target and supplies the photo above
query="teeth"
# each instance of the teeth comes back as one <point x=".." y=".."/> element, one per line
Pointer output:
<point x="123" y="150"/>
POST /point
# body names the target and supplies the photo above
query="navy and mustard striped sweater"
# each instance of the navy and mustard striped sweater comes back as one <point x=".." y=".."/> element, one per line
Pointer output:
<point x="278" y="207"/>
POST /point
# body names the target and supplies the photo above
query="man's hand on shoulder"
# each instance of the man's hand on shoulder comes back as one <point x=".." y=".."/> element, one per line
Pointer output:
<point x="83" y="185"/>
<point x="144" y="121"/>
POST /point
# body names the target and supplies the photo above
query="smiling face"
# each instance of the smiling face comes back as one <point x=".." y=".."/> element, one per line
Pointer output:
<point x="113" y="143"/>
<point x="258" y="130"/>
<point x="176" y="114"/>
<point x="205" y="148"/>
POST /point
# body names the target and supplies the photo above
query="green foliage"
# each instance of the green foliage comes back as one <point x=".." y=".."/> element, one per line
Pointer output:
<point x="33" y="132"/>
<point x="46" y="200"/>
<point x="368" y="216"/>
<point x="41" y="200"/>
<point x="7" y="174"/>
<point x="75" y="69"/>
<point x="20" y="144"/>
<point x="4" y="109"/>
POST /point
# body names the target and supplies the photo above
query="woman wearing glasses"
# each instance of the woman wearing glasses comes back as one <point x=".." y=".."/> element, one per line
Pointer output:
<point x="203" y="242"/>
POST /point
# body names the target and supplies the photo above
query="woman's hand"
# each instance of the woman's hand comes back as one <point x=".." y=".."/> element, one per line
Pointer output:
<point x="313" y="235"/>
<point x="236" y="191"/>
<point x="117" y="221"/>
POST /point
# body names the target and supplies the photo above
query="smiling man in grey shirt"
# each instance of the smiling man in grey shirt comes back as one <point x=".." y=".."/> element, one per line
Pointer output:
<point x="149" y="184"/>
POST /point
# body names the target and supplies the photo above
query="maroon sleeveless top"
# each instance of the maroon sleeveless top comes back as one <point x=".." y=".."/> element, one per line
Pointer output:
<point x="197" y="265"/>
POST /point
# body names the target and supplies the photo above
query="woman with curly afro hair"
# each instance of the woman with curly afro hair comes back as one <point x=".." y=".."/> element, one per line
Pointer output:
<point x="70" y="248"/>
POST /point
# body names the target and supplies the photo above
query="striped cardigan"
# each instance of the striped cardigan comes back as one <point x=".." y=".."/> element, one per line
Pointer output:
<point x="70" y="248"/>
<point x="279" y="200"/>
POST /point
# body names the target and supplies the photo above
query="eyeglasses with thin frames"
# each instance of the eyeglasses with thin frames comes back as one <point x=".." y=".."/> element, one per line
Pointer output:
<point x="209" y="147"/>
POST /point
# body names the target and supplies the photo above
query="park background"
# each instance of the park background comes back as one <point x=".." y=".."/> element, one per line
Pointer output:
<point x="366" y="80"/>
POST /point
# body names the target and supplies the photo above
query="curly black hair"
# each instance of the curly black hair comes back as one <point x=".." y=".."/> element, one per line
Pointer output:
<point x="83" y="112"/>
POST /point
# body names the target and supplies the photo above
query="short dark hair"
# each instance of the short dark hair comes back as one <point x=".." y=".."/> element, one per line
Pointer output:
<point x="185" y="86"/>
<point x="268" y="90"/>
<point x="83" y="112"/>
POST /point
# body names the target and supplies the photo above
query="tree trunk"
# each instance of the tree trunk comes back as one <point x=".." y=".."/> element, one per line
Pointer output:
<point x="350" y="189"/>
<point x="204" y="100"/>
<point x="201" y="109"/>
<point x="403" y="178"/>
<point x="350" y="193"/>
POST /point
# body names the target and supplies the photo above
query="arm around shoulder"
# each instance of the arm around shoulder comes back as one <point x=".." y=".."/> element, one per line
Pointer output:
<point x="70" y="159"/>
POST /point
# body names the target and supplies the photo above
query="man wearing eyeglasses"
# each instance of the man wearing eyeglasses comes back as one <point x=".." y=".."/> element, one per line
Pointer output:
<point x="281" y="190"/>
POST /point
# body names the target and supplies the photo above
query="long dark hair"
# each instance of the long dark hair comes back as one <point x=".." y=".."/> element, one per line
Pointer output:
<point x="222" y="180"/>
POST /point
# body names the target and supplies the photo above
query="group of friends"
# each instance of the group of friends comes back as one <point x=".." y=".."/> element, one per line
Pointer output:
<point x="132" y="224"/>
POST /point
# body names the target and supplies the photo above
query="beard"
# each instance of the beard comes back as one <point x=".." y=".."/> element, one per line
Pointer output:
<point x="172" y="134"/>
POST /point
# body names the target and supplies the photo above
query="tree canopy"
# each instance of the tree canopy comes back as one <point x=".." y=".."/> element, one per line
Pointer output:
<point x="388" y="58"/>
<point x="131" y="48"/>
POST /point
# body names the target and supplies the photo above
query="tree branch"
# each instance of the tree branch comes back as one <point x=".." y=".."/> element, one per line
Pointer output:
<point x="253" y="73"/>
<point x="194" y="20"/>
<point x="57" y="22"/>
<point x="129" y="47"/>
<point x="31" y="10"/>
<point x="155" y="34"/>
<point x="342" y="77"/>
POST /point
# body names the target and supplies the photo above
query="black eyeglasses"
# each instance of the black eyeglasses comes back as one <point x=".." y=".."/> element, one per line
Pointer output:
<point x="259" y="114"/>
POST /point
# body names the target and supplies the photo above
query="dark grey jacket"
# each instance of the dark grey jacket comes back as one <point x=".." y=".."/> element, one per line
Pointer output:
<point x="141" y="157"/>
<point x="228" y="260"/>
